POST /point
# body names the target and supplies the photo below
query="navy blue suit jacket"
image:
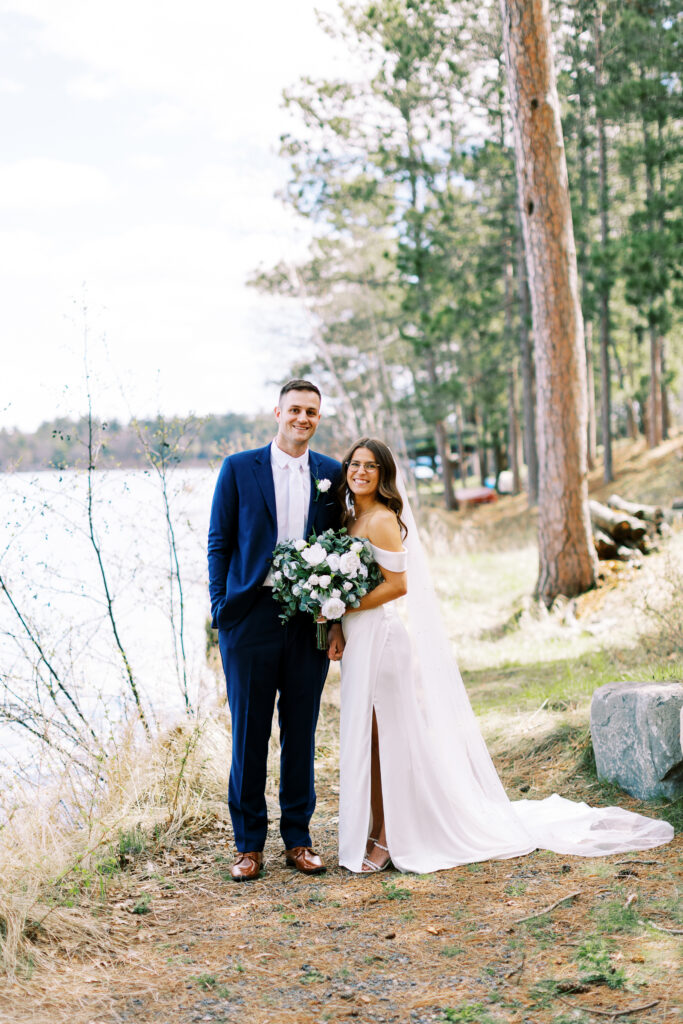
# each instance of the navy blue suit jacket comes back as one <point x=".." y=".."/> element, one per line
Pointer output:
<point x="243" y="527"/>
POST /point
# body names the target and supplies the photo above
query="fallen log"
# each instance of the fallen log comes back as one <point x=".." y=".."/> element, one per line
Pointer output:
<point x="619" y="525"/>
<point x="625" y="553"/>
<point x="650" y="513"/>
<point x="605" y="546"/>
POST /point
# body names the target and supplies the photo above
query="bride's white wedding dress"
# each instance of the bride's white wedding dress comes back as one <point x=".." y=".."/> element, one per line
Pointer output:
<point x="444" y="804"/>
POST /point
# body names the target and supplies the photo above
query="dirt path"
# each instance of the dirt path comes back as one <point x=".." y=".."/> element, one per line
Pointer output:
<point x="185" y="944"/>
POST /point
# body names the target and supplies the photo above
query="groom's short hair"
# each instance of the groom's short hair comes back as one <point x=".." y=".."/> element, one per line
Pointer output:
<point x="298" y="384"/>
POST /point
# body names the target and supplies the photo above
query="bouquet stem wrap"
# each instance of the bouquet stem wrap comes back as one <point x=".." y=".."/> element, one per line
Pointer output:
<point x="321" y="634"/>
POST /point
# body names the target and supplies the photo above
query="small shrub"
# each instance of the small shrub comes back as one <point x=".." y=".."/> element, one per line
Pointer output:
<point x="395" y="892"/>
<point x="210" y="983"/>
<point x="468" y="1013"/>
<point x="515" y="888"/>
<point x="143" y="904"/>
<point x="132" y="844"/>
<point x="595" y="966"/>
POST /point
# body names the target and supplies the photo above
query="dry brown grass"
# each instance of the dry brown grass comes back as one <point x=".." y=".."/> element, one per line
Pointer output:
<point x="62" y="841"/>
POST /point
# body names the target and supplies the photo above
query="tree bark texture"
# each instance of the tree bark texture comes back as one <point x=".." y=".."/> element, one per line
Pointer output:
<point x="654" y="434"/>
<point x="592" y="437"/>
<point x="441" y="440"/>
<point x="527" y="366"/>
<point x="514" y="454"/>
<point x="567" y="557"/>
<point x="592" y="434"/>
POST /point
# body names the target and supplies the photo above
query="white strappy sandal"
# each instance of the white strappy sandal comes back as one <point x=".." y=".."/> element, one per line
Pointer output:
<point x="370" y="864"/>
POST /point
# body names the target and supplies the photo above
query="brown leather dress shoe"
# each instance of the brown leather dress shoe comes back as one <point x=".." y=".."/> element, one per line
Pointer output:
<point x="305" y="860"/>
<point x="247" y="866"/>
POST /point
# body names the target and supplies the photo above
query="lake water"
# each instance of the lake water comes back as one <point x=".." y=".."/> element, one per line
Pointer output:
<point x="50" y="567"/>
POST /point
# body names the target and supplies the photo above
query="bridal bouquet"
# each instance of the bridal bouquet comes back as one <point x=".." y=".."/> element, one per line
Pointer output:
<point x="323" y="576"/>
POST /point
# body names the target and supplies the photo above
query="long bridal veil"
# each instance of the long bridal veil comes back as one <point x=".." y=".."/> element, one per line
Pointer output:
<point x="497" y="827"/>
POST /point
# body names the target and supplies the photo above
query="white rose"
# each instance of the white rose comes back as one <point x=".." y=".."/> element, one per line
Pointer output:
<point x="300" y="544"/>
<point x="314" y="555"/>
<point x="313" y="580"/>
<point x="333" y="608"/>
<point x="324" y="581"/>
<point x="357" y="547"/>
<point x="314" y="595"/>
<point x="363" y="571"/>
<point x="333" y="562"/>
<point x="323" y="485"/>
<point x="349" y="563"/>
<point x="277" y="575"/>
<point x="348" y="586"/>
<point x="335" y="593"/>
<point x="307" y="585"/>
<point x="296" y="589"/>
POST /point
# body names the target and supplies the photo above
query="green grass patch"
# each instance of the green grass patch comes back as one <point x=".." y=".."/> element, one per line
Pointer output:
<point x="468" y="1013"/>
<point x="595" y="965"/>
<point x="516" y="889"/>
<point x="132" y="843"/>
<point x="143" y="905"/>
<point x="392" y="891"/>
<point x="615" y="917"/>
<point x="541" y="930"/>
<point x="210" y="983"/>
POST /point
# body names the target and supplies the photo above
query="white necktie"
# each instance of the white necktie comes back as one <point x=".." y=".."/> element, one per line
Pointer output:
<point x="296" y="510"/>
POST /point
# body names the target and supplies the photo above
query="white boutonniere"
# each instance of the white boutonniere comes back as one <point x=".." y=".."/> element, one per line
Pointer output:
<point x="322" y="487"/>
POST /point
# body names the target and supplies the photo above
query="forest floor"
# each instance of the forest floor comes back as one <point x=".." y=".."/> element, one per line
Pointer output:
<point x="543" y="939"/>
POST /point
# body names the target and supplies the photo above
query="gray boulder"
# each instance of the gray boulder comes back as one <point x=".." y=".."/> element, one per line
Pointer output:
<point x="636" y="734"/>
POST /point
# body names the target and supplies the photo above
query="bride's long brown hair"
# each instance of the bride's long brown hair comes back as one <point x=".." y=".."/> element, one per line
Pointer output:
<point x="387" y="492"/>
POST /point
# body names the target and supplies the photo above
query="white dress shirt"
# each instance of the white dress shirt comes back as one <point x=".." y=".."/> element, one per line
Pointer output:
<point x="292" y="480"/>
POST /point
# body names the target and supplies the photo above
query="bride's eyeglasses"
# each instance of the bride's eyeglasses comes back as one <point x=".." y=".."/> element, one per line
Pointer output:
<point x="369" y="467"/>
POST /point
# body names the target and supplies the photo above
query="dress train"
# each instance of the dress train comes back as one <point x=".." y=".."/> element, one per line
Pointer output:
<point x="444" y="804"/>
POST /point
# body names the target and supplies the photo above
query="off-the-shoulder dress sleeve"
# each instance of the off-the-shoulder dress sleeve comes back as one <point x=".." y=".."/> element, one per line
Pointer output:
<point x="393" y="561"/>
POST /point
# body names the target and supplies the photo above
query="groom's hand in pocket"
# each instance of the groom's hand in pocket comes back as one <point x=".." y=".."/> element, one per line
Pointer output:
<point x="335" y="646"/>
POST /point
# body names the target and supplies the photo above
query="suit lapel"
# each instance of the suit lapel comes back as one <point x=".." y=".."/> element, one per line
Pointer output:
<point x="264" y="475"/>
<point x="314" y="469"/>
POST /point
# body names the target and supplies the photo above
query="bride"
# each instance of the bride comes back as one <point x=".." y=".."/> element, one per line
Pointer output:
<point x="417" y="785"/>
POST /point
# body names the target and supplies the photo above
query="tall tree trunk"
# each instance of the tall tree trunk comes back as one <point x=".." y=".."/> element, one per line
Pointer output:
<point x="655" y="432"/>
<point x="462" y="457"/>
<point x="441" y="439"/>
<point x="654" y="418"/>
<point x="513" y="430"/>
<point x="592" y="432"/>
<point x="514" y="455"/>
<point x="566" y="552"/>
<point x="604" y="286"/>
<point x="527" y="365"/>
<point x="443" y="447"/>
<point x="666" y="413"/>
<point x="583" y="263"/>
<point x="481" y="446"/>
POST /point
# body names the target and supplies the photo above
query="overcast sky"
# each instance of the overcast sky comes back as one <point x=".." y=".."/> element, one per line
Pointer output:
<point x="138" y="168"/>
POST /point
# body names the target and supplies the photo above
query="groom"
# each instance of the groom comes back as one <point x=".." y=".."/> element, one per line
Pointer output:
<point x="281" y="492"/>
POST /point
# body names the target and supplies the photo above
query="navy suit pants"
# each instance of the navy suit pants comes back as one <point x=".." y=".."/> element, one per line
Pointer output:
<point x="261" y="659"/>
